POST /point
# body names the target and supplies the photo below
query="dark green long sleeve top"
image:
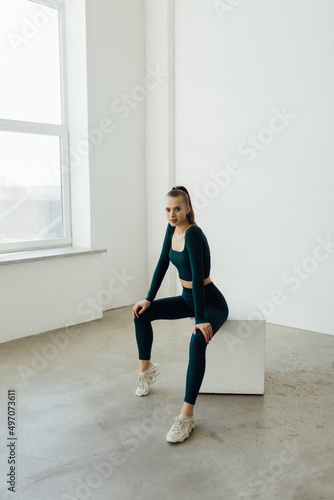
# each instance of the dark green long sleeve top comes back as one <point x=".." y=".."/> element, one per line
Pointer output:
<point x="193" y="264"/>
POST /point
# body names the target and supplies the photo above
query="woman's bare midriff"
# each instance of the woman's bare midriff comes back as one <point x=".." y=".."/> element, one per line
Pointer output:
<point x="189" y="284"/>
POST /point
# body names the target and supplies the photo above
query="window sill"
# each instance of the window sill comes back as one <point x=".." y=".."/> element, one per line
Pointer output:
<point x="46" y="254"/>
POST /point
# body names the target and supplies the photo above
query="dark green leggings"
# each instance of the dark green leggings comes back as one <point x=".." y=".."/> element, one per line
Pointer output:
<point x="182" y="306"/>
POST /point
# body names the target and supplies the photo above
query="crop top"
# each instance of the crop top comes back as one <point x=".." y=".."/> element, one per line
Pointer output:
<point x="193" y="264"/>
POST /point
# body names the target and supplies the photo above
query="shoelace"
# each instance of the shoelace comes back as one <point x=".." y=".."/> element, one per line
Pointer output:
<point x="177" y="424"/>
<point x="141" y="380"/>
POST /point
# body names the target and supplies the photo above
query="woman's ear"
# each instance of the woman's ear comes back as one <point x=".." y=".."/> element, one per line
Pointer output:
<point x="188" y="209"/>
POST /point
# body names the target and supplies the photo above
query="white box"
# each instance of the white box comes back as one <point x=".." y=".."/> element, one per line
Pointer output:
<point x="235" y="355"/>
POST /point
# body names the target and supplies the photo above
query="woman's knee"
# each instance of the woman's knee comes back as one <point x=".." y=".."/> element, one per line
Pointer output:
<point x="142" y="319"/>
<point x="197" y="341"/>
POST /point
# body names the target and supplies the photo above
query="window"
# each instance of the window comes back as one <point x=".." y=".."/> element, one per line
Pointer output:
<point x="34" y="183"/>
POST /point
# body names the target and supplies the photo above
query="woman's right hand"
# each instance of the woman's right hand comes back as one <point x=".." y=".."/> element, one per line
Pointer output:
<point x="140" y="307"/>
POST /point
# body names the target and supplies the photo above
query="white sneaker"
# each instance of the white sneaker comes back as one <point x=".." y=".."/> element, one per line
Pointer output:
<point x="181" y="429"/>
<point x="146" y="379"/>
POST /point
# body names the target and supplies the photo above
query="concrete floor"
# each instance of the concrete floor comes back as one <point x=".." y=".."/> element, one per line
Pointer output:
<point x="83" y="434"/>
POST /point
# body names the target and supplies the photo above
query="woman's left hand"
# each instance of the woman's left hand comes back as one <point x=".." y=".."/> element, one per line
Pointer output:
<point x="206" y="329"/>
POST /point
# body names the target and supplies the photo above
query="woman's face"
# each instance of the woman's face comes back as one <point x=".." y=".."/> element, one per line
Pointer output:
<point x="176" y="210"/>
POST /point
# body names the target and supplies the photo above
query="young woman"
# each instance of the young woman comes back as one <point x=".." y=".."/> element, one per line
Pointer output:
<point x="186" y="246"/>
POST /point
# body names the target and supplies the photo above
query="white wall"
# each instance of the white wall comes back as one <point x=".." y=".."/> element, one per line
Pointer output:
<point x="237" y="67"/>
<point x="48" y="294"/>
<point x="160" y="129"/>
<point x="115" y="69"/>
<point x="77" y="111"/>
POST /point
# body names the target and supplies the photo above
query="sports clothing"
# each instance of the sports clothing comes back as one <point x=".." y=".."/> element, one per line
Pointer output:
<point x="182" y="306"/>
<point x="204" y="302"/>
<point x="193" y="264"/>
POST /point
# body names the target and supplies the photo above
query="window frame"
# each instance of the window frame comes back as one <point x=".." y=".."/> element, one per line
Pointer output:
<point x="49" y="129"/>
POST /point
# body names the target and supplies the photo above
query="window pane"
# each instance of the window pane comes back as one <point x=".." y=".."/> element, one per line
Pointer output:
<point x="30" y="188"/>
<point x="30" y="63"/>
